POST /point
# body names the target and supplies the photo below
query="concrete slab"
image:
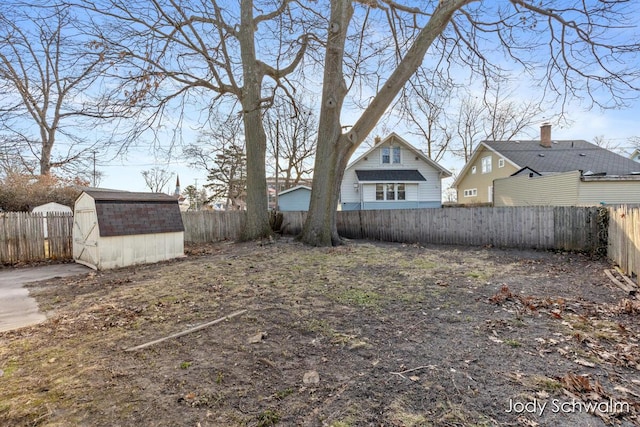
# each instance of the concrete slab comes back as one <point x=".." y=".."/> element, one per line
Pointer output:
<point x="17" y="308"/>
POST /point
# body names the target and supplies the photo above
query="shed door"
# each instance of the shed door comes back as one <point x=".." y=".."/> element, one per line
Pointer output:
<point x="85" y="237"/>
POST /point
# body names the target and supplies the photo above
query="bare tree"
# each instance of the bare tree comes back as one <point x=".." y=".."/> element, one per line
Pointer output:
<point x="221" y="152"/>
<point x="469" y="126"/>
<point x="583" y="57"/>
<point x="156" y="179"/>
<point x="607" y="144"/>
<point x="179" y="52"/>
<point x="48" y="70"/>
<point x="292" y="132"/>
<point x="424" y="106"/>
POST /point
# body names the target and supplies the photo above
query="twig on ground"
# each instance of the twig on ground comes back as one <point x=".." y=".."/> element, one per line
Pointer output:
<point x="623" y="286"/>
<point x="411" y="370"/>
<point x="188" y="331"/>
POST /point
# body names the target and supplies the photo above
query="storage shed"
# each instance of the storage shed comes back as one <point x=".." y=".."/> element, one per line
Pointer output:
<point x="295" y="199"/>
<point x="50" y="208"/>
<point x="119" y="228"/>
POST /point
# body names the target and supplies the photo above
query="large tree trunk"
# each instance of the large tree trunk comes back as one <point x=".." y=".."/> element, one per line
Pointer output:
<point x="257" y="224"/>
<point x="320" y="227"/>
<point x="334" y="147"/>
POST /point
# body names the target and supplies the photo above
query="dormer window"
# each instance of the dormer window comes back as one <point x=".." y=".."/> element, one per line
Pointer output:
<point x="390" y="155"/>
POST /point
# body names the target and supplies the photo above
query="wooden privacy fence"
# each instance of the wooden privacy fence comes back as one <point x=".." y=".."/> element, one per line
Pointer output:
<point x="540" y="227"/>
<point x="26" y="237"/>
<point x="624" y="238"/>
<point x="212" y="226"/>
<point x="22" y="236"/>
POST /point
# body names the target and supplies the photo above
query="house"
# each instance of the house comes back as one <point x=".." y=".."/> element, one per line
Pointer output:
<point x="539" y="172"/>
<point x="392" y="175"/>
<point x="119" y="228"/>
<point x="635" y="156"/>
<point x="294" y="199"/>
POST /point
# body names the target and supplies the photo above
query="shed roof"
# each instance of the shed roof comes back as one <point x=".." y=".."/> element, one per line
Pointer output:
<point x="396" y="175"/>
<point x="122" y="213"/>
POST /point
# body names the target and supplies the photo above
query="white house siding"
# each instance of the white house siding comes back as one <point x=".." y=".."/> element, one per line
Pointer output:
<point x="429" y="192"/>
<point x="550" y="190"/>
<point x="612" y="192"/>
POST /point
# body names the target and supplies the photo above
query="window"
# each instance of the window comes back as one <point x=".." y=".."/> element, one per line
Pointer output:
<point x="390" y="155"/>
<point x="500" y="163"/>
<point x="473" y="169"/>
<point x="396" y="155"/>
<point x="379" y="191"/>
<point x="486" y="164"/>
<point x="472" y="192"/>
<point x="401" y="192"/>
<point x="386" y="155"/>
<point x="390" y="192"/>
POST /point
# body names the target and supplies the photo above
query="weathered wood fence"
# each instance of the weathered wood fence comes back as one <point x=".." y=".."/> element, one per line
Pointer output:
<point x="212" y="226"/>
<point x="539" y="227"/>
<point x="611" y="230"/>
<point x="26" y="237"/>
<point x="624" y="238"/>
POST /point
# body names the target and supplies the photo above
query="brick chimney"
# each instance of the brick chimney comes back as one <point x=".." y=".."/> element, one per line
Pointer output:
<point x="545" y="135"/>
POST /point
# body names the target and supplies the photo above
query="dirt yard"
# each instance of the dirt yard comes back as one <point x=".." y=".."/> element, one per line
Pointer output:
<point x="367" y="334"/>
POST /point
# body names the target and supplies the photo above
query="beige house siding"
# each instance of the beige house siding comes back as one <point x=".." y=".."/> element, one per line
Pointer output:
<point x="609" y="192"/>
<point x="482" y="181"/>
<point x="550" y="190"/>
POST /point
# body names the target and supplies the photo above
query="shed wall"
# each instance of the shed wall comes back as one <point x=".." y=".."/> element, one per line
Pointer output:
<point x="122" y="251"/>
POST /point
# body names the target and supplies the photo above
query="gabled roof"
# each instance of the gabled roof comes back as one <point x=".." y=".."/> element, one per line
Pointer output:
<point x="296" y="188"/>
<point x="128" y="196"/>
<point x="123" y="213"/>
<point x="395" y="175"/>
<point x="562" y="156"/>
<point x="445" y="173"/>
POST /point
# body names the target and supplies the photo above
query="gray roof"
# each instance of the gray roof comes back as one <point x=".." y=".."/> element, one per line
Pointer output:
<point x="564" y="156"/>
<point x="123" y="213"/>
<point x="124" y="196"/>
<point x="395" y="175"/>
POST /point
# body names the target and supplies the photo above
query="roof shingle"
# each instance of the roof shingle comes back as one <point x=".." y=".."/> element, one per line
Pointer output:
<point x="564" y="156"/>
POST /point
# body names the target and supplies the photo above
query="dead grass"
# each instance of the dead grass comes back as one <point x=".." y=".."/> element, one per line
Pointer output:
<point x="355" y="314"/>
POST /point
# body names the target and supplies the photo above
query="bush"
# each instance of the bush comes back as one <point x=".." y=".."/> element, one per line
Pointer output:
<point x="20" y="192"/>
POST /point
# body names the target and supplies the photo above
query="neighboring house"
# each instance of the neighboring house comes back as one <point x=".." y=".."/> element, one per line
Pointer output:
<point x="392" y="175"/>
<point x="635" y="156"/>
<point x="541" y="161"/>
<point x="294" y="199"/>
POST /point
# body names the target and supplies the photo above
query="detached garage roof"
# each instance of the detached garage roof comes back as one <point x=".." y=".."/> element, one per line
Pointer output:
<point x="396" y="175"/>
<point x="123" y="213"/>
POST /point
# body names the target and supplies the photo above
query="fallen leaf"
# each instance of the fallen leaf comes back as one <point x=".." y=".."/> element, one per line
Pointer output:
<point x="257" y="338"/>
<point x="311" y="377"/>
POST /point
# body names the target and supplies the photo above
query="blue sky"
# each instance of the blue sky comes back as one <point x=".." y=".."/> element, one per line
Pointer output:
<point x="614" y="125"/>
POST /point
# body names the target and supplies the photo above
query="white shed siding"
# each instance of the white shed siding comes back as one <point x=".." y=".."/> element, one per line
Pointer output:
<point x="549" y="190"/>
<point x="121" y="251"/>
<point x="613" y="192"/>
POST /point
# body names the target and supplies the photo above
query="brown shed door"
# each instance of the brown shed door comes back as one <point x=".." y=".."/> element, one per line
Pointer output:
<point x="85" y="237"/>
